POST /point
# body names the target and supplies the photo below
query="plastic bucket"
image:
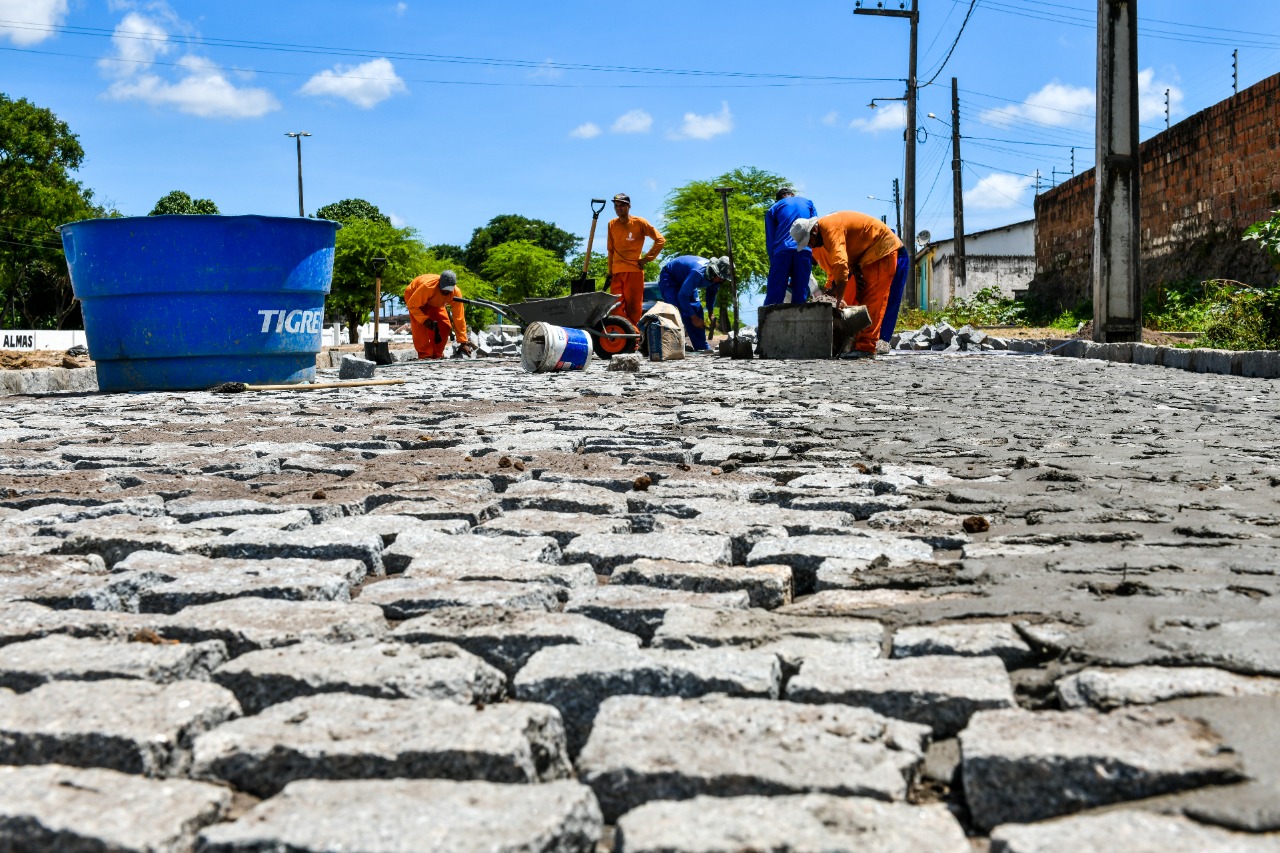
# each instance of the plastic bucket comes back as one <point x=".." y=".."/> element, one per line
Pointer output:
<point x="547" y="348"/>
<point x="176" y="303"/>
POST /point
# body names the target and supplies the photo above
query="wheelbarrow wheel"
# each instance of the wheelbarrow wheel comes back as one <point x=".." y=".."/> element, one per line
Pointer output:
<point x="609" y="347"/>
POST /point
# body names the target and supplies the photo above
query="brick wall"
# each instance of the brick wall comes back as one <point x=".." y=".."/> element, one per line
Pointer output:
<point x="1204" y="181"/>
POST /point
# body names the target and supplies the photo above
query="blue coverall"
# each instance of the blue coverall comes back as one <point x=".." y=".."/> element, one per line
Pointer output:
<point x="788" y="266"/>
<point x="680" y="280"/>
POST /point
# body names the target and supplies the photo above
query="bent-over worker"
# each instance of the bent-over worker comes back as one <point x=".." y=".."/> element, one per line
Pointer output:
<point x="627" y="256"/>
<point x="789" y="265"/>
<point x="681" y="279"/>
<point x="430" y="298"/>
<point x="848" y="240"/>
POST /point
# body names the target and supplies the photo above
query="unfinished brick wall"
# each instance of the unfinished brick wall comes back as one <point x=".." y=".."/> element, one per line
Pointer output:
<point x="1204" y="181"/>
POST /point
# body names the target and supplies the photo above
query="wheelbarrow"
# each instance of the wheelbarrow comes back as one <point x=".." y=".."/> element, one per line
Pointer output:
<point x="591" y="312"/>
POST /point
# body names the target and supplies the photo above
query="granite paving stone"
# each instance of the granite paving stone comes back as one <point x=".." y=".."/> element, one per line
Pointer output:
<point x="1022" y="766"/>
<point x="941" y="692"/>
<point x="420" y="815"/>
<point x="430" y="548"/>
<point x="966" y="640"/>
<point x="640" y="610"/>
<point x="606" y="551"/>
<point x="313" y="544"/>
<point x="248" y="624"/>
<point x="560" y="526"/>
<point x="507" y="638"/>
<point x="1129" y="830"/>
<point x="766" y="586"/>
<point x="806" y="554"/>
<point x="1108" y="689"/>
<point x="576" y="683"/>
<point x="53" y="807"/>
<point x="128" y="725"/>
<point x="345" y="736"/>
<point x="26" y="666"/>
<point x="810" y="823"/>
<point x="405" y="598"/>
<point x="792" y="638"/>
<point x="645" y="748"/>
<point x="563" y="497"/>
<point x="383" y="669"/>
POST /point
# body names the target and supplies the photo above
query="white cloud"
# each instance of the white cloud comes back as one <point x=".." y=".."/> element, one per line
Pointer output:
<point x="396" y="220"/>
<point x="1057" y="104"/>
<point x="998" y="191"/>
<point x="38" y="16"/>
<point x="636" y="121"/>
<point x="586" y="130"/>
<point x="1151" y="96"/>
<point x="365" y="85"/>
<point x="203" y="91"/>
<point x="401" y="8"/>
<point x="831" y="119"/>
<point x="137" y="42"/>
<point x="890" y="117"/>
<point x="547" y="70"/>
<point x="707" y="126"/>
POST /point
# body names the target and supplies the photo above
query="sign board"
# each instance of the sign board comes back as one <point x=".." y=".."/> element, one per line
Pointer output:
<point x="47" y="339"/>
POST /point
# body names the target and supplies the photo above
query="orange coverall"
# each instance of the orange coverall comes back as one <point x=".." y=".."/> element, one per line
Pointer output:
<point x="854" y="239"/>
<point x="627" y="260"/>
<point x="429" y="315"/>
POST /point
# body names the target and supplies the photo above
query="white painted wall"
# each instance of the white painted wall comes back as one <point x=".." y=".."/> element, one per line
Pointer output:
<point x="1003" y="258"/>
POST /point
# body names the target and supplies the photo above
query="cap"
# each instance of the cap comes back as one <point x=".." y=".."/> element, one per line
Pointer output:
<point x="448" y="280"/>
<point x="622" y="197"/>
<point x="782" y="193"/>
<point x="800" y="231"/>
<point x="719" y="268"/>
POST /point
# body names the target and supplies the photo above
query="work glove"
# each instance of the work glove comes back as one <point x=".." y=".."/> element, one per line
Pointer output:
<point x="466" y="348"/>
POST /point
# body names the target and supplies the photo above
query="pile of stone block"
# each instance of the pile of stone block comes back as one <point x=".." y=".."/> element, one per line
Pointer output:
<point x="942" y="337"/>
<point x="501" y="344"/>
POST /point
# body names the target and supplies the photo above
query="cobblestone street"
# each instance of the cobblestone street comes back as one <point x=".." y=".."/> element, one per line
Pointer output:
<point x="934" y="603"/>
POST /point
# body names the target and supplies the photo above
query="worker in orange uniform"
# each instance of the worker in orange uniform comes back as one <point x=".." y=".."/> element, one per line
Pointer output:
<point x="429" y="299"/>
<point x="847" y="242"/>
<point x="627" y="257"/>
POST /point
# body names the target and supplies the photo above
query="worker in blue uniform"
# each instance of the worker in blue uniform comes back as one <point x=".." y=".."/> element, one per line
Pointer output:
<point x="681" y="279"/>
<point x="789" y="265"/>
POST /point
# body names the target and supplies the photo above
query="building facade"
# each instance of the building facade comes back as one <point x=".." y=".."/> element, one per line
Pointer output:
<point x="1003" y="258"/>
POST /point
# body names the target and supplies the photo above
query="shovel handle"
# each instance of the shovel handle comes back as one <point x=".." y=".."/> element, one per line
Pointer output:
<point x="591" y="237"/>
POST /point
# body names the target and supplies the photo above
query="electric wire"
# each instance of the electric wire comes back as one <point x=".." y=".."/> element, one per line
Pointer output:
<point x="972" y="5"/>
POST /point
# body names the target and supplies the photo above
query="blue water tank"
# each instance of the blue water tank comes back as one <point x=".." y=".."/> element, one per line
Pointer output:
<point x="179" y="303"/>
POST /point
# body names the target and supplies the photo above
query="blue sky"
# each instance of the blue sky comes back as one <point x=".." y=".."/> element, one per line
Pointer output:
<point x="446" y="114"/>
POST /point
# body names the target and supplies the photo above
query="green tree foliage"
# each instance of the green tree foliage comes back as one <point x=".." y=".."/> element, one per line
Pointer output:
<point x="693" y="223"/>
<point x="38" y="154"/>
<point x="1267" y="233"/>
<point x="449" y="252"/>
<point x="350" y="209"/>
<point x="523" y="270"/>
<point x="509" y="227"/>
<point x="359" y="241"/>
<point x="181" y="203"/>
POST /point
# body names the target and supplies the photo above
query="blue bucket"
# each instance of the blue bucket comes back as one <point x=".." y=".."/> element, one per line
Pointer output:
<point x="549" y="349"/>
<point x="178" y="303"/>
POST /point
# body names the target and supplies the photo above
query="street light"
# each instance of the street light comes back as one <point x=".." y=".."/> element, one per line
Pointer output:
<point x="298" y="136"/>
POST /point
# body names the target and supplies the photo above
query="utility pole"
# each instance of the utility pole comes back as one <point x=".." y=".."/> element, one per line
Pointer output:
<point x="1166" y="109"/>
<point x="1037" y="182"/>
<point x="298" y="136"/>
<point x="1235" y="72"/>
<point x="907" y="234"/>
<point x="897" y="206"/>
<point x="1117" y="238"/>
<point x="1073" y="162"/>
<point x="957" y="190"/>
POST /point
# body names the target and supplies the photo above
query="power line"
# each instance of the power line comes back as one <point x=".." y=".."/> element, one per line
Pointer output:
<point x="361" y="53"/>
<point x="973" y="4"/>
<point x="996" y="191"/>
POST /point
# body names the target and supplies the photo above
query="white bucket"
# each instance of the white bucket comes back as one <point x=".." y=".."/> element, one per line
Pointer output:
<point x="547" y="348"/>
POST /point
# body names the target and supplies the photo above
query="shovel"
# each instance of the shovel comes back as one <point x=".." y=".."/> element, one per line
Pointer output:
<point x="587" y="284"/>
<point x="379" y="352"/>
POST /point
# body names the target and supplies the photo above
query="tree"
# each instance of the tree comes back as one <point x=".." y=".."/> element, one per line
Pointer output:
<point x="181" y="203"/>
<point x="508" y="227"/>
<point x="449" y="252"/>
<point x="693" y="223"/>
<point x="522" y="270"/>
<point x="38" y="153"/>
<point x="350" y="209"/>
<point x="359" y="241"/>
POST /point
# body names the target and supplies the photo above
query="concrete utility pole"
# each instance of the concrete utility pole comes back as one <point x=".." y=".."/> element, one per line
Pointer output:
<point x="897" y="206"/>
<point x="298" y="136"/>
<point x="908" y="232"/>
<point x="1117" y="237"/>
<point x="1235" y="72"/>
<point x="1166" y="108"/>
<point x="957" y="188"/>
